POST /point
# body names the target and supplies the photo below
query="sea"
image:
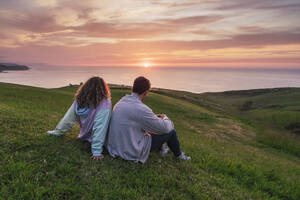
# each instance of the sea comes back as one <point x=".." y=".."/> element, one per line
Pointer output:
<point x="193" y="79"/>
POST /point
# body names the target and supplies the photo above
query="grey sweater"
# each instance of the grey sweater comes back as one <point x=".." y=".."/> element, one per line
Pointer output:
<point x="130" y="120"/>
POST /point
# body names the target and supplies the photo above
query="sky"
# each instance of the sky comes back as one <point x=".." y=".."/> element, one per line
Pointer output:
<point x="202" y="33"/>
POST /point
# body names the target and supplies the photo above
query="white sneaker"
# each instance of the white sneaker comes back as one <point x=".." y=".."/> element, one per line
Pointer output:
<point x="53" y="133"/>
<point x="164" y="150"/>
<point x="184" y="157"/>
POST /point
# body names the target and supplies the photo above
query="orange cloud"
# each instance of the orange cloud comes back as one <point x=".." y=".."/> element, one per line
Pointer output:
<point x="177" y="33"/>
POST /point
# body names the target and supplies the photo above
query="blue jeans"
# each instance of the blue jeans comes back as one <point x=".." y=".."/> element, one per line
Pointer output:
<point x="170" y="138"/>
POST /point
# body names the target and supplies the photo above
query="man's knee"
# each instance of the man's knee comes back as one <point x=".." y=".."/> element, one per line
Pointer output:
<point x="173" y="132"/>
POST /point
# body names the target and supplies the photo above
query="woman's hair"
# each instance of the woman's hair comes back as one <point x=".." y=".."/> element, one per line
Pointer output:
<point x="92" y="92"/>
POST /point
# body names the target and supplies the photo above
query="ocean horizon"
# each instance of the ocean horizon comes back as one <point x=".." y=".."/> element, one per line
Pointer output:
<point x="192" y="79"/>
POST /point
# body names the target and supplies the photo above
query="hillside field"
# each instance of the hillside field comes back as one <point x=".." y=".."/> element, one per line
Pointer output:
<point x="239" y="150"/>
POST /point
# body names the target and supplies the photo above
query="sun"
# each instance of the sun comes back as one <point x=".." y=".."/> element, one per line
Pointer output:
<point x="146" y="65"/>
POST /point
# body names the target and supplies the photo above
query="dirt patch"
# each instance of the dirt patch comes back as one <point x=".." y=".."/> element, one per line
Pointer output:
<point x="223" y="130"/>
<point x="294" y="127"/>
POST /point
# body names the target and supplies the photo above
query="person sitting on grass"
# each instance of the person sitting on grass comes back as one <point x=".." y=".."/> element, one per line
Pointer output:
<point x="92" y="109"/>
<point x="135" y="130"/>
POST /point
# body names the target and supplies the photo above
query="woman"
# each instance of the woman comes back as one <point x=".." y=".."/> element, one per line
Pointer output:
<point x="92" y="109"/>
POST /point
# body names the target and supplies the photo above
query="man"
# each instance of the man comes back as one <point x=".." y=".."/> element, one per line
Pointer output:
<point x="135" y="130"/>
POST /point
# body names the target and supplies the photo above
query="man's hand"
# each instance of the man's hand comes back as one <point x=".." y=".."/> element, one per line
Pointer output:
<point x="147" y="134"/>
<point x="97" y="157"/>
<point x="161" y="115"/>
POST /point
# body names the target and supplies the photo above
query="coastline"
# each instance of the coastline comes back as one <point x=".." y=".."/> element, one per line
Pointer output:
<point x="4" y="67"/>
<point x="164" y="91"/>
<point x="196" y="80"/>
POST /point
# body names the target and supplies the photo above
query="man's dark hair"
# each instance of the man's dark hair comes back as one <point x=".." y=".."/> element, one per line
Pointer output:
<point x="141" y="85"/>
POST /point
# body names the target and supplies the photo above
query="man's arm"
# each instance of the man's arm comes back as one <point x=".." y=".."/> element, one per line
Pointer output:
<point x="154" y="124"/>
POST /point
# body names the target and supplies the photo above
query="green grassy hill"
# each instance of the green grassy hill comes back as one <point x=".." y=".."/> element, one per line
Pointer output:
<point x="228" y="159"/>
<point x="274" y="113"/>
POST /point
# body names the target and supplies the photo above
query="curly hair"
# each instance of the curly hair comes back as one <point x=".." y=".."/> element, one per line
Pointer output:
<point x="92" y="92"/>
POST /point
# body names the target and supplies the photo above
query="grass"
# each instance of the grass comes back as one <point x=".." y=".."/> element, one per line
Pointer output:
<point x="228" y="160"/>
<point x="274" y="113"/>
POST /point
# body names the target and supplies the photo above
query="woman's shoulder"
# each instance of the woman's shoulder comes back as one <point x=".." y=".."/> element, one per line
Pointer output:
<point x="105" y="104"/>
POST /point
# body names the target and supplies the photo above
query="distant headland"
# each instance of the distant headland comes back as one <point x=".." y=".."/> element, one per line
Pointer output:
<point x="12" y="66"/>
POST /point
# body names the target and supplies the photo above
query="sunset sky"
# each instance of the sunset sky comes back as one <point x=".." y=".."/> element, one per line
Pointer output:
<point x="258" y="33"/>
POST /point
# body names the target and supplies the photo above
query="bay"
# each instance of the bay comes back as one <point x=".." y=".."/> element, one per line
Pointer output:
<point x="191" y="79"/>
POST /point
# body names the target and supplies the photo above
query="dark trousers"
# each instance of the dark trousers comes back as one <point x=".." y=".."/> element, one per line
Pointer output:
<point x="170" y="138"/>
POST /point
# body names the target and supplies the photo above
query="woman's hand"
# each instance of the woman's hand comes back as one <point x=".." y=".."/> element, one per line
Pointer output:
<point x="97" y="157"/>
<point x="161" y="115"/>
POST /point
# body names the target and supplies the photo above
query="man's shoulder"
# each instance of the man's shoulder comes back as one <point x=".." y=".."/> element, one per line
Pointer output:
<point x="131" y="103"/>
<point x="142" y="108"/>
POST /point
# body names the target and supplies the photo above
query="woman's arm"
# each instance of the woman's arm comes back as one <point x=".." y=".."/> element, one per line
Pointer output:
<point x="99" y="132"/>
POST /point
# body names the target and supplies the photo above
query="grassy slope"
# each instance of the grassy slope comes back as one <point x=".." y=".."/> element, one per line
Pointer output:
<point x="227" y="160"/>
<point x="271" y="112"/>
